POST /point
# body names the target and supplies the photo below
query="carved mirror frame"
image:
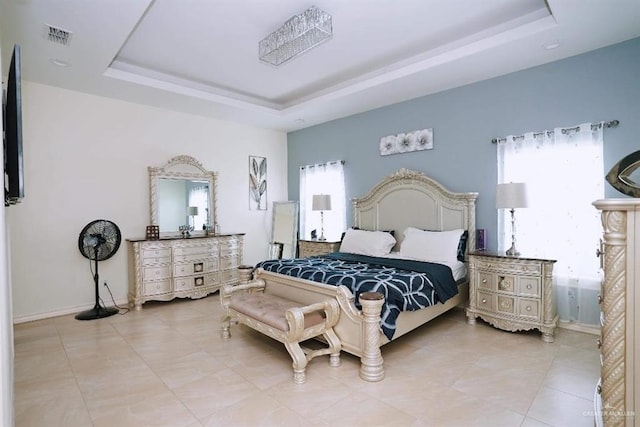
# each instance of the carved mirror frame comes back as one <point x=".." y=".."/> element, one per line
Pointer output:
<point x="288" y="229"/>
<point x="187" y="168"/>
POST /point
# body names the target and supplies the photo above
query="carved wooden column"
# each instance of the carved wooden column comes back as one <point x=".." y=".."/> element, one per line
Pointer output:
<point x="549" y="316"/>
<point x="614" y="323"/>
<point x="371" y="363"/>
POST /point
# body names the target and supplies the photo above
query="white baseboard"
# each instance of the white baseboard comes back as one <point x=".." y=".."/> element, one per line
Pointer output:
<point x="62" y="312"/>
<point x="579" y="327"/>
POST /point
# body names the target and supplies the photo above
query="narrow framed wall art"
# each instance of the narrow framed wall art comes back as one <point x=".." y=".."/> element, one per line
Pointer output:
<point x="257" y="183"/>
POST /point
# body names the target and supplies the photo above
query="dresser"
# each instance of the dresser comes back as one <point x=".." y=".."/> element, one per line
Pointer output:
<point x="307" y="248"/>
<point x="512" y="293"/>
<point x="617" y="397"/>
<point x="182" y="267"/>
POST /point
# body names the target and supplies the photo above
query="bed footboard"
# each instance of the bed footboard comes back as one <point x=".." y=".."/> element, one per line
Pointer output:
<point x="359" y="331"/>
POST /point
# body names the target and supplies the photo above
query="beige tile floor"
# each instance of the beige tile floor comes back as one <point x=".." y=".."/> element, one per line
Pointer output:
<point x="166" y="365"/>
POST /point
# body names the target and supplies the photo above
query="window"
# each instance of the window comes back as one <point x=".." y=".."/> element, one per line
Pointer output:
<point x="564" y="171"/>
<point x="328" y="179"/>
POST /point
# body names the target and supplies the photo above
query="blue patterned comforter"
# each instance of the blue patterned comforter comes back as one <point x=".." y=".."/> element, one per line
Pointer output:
<point x="406" y="285"/>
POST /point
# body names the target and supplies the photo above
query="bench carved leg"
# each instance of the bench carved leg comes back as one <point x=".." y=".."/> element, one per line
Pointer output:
<point x="371" y="363"/>
<point x="225" y="326"/>
<point x="335" y="346"/>
<point x="299" y="362"/>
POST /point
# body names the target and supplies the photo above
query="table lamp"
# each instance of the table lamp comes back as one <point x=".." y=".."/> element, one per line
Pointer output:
<point x="321" y="202"/>
<point x="510" y="196"/>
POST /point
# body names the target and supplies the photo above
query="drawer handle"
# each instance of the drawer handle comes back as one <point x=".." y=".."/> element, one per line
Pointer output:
<point x="524" y="268"/>
<point x="484" y="300"/>
<point x="528" y="286"/>
<point x="528" y="308"/>
<point x="489" y="265"/>
<point x="599" y="343"/>
<point x="484" y="280"/>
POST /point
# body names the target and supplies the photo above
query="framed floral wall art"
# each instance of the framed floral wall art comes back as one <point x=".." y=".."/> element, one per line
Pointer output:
<point x="257" y="183"/>
<point x="407" y="142"/>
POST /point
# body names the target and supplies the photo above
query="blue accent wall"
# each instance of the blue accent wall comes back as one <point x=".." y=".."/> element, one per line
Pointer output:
<point x="600" y="85"/>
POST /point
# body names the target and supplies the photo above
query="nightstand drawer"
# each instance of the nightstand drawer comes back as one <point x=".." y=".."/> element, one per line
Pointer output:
<point x="529" y="308"/>
<point x="485" y="301"/>
<point x="529" y="286"/>
<point x="487" y="281"/>
<point x="516" y="266"/>
<point x="506" y="284"/>
<point x="506" y="305"/>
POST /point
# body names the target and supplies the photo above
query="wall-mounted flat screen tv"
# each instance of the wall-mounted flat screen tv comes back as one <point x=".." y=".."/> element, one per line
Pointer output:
<point x="12" y="109"/>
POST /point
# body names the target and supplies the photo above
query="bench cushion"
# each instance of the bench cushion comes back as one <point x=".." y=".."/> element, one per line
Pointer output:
<point x="270" y="309"/>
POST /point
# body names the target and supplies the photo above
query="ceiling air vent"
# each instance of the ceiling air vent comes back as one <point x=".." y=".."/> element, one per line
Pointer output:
<point x="57" y="35"/>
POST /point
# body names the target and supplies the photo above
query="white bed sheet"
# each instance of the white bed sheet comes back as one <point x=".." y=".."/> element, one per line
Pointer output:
<point x="458" y="268"/>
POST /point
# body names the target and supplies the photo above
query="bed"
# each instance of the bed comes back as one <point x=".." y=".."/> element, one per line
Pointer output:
<point x="401" y="200"/>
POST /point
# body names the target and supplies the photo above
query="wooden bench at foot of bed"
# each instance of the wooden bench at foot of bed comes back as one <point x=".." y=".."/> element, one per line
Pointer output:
<point x="284" y="320"/>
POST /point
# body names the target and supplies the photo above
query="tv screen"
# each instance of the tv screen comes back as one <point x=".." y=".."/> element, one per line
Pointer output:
<point x="13" y="165"/>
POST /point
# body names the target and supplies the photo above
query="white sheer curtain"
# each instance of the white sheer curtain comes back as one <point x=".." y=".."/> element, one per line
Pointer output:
<point x="325" y="178"/>
<point x="564" y="171"/>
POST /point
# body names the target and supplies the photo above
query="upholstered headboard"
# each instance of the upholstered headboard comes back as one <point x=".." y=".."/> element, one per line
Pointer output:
<point x="410" y="198"/>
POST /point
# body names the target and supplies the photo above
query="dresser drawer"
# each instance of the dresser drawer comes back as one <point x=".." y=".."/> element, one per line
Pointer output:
<point x="157" y="287"/>
<point x="228" y="262"/>
<point x="194" y="282"/>
<point x="186" y="269"/>
<point x="151" y="255"/>
<point x="230" y="250"/>
<point x="156" y="273"/>
<point x="529" y="308"/>
<point x="229" y="276"/>
<point x="156" y="260"/>
<point x="529" y="286"/>
<point x="181" y="254"/>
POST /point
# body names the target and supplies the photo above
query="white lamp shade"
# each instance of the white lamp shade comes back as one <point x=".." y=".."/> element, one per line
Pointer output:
<point x="321" y="202"/>
<point x="511" y="195"/>
<point x="193" y="210"/>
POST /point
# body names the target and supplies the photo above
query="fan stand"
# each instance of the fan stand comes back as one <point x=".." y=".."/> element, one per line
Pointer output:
<point x="97" y="312"/>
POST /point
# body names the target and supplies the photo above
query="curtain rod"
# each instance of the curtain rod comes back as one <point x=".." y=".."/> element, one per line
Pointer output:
<point x="323" y="164"/>
<point x="610" y="124"/>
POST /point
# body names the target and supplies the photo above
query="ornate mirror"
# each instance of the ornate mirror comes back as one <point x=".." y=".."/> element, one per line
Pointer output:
<point x="181" y="193"/>
<point x="284" y="230"/>
<point x="624" y="176"/>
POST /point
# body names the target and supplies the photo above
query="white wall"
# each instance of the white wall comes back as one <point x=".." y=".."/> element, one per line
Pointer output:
<point x="86" y="158"/>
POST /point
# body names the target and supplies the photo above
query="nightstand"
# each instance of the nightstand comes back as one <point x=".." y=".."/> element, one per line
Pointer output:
<point x="307" y="248"/>
<point x="512" y="293"/>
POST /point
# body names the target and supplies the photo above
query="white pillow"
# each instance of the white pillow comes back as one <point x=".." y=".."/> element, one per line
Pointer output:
<point x="363" y="242"/>
<point x="431" y="246"/>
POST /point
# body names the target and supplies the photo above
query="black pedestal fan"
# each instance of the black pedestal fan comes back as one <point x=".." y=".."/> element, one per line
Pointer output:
<point x="98" y="240"/>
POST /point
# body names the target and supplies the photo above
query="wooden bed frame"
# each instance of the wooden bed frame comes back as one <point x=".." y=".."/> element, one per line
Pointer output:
<point x="402" y="199"/>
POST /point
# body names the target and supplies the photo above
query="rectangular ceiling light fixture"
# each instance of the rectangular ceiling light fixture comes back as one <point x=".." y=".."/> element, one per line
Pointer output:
<point x="296" y="36"/>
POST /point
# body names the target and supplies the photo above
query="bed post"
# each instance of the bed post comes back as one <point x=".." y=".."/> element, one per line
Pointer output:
<point x="371" y="363"/>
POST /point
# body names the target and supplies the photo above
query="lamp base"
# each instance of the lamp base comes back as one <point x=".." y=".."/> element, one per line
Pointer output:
<point x="512" y="251"/>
